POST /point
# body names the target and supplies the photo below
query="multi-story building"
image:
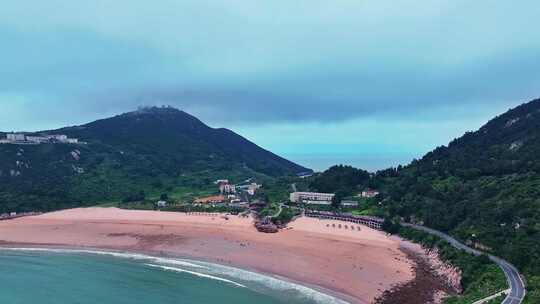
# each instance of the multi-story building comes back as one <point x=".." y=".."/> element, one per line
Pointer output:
<point x="313" y="198"/>
<point x="16" y="137"/>
<point x="226" y="188"/>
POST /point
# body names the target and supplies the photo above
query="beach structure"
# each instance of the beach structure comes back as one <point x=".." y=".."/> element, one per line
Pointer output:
<point x="210" y="200"/>
<point x="312" y="198"/>
<point x="370" y="221"/>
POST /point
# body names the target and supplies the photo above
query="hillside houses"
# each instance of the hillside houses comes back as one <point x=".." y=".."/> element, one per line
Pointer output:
<point x="23" y="139"/>
<point x="227" y="188"/>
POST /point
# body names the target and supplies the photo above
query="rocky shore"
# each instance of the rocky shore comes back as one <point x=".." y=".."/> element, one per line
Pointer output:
<point x="433" y="280"/>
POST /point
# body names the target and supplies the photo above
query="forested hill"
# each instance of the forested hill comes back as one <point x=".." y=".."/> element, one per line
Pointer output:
<point x="483" y="187"/>
<point x="152" y="149"/>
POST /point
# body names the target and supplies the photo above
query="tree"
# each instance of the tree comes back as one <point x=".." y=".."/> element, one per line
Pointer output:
<point x="336" y="200"/>
<point x="164" y="197"/>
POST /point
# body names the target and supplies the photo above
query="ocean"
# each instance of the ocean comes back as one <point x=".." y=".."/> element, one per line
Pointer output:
<point x="42" y="276"/>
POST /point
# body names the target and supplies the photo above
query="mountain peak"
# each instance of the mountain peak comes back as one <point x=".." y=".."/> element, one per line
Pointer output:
<point x="155" y="110"/>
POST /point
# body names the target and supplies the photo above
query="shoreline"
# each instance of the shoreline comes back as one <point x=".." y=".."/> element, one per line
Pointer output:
<point x="354" y="265"/>
<point x="428" y="286"/>
<point x="150" y="256"/>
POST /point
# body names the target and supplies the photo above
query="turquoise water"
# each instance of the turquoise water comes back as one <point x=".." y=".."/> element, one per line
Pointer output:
<point x="67" y="276"/>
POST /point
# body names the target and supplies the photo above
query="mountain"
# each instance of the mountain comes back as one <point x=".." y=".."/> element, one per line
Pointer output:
<point x="484" y="188"/>
<point x="151" y="149"/>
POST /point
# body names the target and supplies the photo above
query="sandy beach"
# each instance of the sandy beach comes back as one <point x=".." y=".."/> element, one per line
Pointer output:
<point x="357" y="265"/>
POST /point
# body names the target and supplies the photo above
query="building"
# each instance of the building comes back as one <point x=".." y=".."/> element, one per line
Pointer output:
<point x="37" y="139"/>
<point x="58" y="137"/>
<point x="304" y="174"/>
<point x="369" y="193"/>
<point x="16" y="137"/>
<point x="349" y="203"/>
<point x="161" y="204"/>
<point x="251" y="189"/>
<point x="22" y="139"/>
<point x="312" y="198"/>
<point x="227" y="188"/>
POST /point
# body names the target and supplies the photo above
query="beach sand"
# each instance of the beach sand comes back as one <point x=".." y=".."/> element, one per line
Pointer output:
<point x="357" y="265"/>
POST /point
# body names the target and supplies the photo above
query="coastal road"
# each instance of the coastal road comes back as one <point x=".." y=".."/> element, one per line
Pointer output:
<point x="515" y="282"/>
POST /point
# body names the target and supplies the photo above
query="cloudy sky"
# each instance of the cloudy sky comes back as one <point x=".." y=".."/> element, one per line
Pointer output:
<point x="368" y="83"/>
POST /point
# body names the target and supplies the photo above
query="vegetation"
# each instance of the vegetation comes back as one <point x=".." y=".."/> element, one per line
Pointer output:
<point x="483" y="188"/>
<point x="480" y="277"/>
<point x="342" y="180"/>
<point x="131" y="157"/>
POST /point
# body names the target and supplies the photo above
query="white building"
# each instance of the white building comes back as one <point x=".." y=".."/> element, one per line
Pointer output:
<point x="58" y="137"/>
<point x="37" y="139"/>
<point x="226" y="188"/>
<point x="252" y="188"/>
<point x="369" y="193"/>
<point x="161" y="204"/>
<point x="16" y="137"/>
<point x="313" y="198"/>
<point x="349" y="203"/>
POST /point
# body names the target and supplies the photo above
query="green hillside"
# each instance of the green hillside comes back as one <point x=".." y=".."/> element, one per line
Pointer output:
<point x="483" y="187"/>
<point x="153" y="150"/>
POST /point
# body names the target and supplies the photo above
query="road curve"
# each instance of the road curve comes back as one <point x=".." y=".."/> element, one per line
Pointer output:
<point x="515" y="282"/>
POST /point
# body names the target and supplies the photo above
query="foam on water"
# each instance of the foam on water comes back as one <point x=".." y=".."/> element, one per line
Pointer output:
<point x="133" y="256"/>
<point x="202" y="275"/>
<point x="207" y="270"/>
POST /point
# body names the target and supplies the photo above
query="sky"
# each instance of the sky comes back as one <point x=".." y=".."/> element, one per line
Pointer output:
<point x="367" y="83"/>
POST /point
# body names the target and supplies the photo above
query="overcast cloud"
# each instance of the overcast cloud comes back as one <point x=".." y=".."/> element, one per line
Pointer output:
<point x="260" y="66"/>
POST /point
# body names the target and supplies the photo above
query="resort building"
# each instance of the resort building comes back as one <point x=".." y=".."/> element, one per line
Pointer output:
<point x="312" y="198"/>
<point x="251" y="189"/>
<point x="227" y="188"/>
<point x="23" y="139"/>
<point x="37" y="139"/>
<point x="16" y="137"/>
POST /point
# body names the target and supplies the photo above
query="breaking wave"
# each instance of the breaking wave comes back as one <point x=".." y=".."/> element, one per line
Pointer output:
<point x="226" y="274"/>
